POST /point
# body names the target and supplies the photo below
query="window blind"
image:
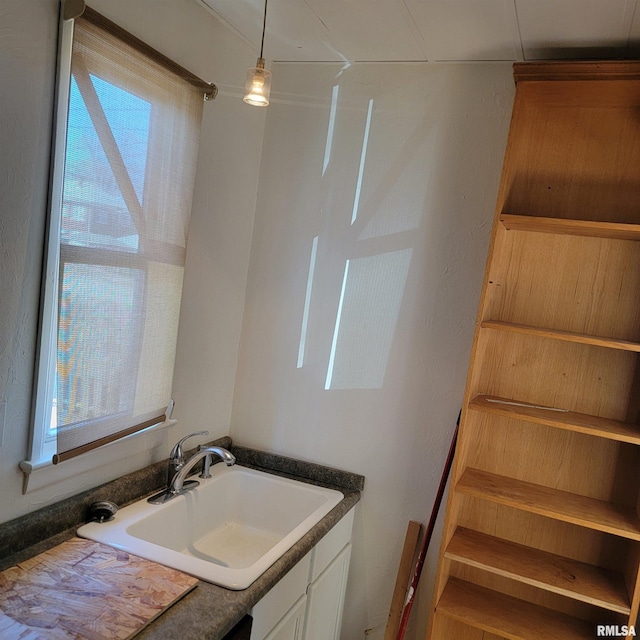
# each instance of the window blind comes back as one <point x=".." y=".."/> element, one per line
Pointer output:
<point x="131" y="150"/>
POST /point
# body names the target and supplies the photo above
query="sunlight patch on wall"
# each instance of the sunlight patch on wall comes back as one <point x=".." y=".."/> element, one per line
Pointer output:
<point x="307" y="303"/>
<point x="363" y="155"/>
<point x="393" y="189"/>
<point x="332" y="122"/>
<point x="370" y="300"/>
<point x="336" y="329"/>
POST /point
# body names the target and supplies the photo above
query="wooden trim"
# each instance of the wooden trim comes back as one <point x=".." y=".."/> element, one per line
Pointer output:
<point x="402" y="580"/>
<point x="90" y="15"/>
<point x="577" y="70"/>
<point x="61" y="456"/>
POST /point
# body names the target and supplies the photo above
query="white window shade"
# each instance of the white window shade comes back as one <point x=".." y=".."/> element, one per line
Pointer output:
<point x="131" y="150"/>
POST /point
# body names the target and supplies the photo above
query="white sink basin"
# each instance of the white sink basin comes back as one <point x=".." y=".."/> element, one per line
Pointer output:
<point x="228" y="531"/>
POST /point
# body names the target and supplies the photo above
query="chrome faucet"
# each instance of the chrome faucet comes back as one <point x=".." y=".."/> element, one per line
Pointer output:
<point x="176" y="457"/>
<point x="178" y="483"/>
<point x="175" y="488"/>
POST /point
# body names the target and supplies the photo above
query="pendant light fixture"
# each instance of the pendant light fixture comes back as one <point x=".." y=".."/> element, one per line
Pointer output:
<point x="258" y="85"/>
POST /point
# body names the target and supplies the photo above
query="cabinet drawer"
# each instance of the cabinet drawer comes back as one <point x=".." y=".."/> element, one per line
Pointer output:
<point x="331" y="545"/>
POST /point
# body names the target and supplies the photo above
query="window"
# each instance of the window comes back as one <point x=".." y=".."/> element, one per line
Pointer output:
<point x="128" y="128"/>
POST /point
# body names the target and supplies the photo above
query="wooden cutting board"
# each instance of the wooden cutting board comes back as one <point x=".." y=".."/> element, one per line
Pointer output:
<point x="84" y="590"/>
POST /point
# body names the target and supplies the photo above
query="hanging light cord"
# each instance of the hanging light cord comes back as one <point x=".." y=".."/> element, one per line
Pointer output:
<point x="264" y="27"/>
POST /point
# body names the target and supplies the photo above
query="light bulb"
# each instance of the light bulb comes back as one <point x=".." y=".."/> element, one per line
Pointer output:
<point x="258" y="85"/>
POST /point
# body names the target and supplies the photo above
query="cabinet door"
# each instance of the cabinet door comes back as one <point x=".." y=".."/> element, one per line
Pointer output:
<point x="284" y="596"/>
<point x="290" y="627"/>
<point x="325" y="599"/>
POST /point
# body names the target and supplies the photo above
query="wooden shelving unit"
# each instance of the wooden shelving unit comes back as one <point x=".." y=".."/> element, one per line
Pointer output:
<point x="542" y="531"/>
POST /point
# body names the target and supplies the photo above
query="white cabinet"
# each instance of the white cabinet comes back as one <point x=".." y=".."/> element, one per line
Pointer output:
<point x="307" y="603"/>
<point x="325" y="599"/>
<point x="292" y="625"/>
<point x="277" y="603"/>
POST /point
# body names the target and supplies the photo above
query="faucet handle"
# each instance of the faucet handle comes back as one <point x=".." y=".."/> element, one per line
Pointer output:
<point x="177" y="453"/>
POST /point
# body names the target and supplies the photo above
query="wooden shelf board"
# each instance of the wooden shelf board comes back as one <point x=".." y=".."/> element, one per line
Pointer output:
<point x="548" y="571"/>
<point x="567" y="336"/>
<point x="552" y="503"/>
<point x="561" y="226"/>
<point x="558" y="418"/>
<point x="507" y="616"/>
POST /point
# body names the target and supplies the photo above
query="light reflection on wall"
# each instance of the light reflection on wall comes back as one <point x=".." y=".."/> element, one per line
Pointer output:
<point x="392" y="215"/>
<point x="374" y="243"/>
<point x="332" y="122"/>
<point x="363" y="155"/>
<point x="307" y="303"/>
<point x="370" y="300"/>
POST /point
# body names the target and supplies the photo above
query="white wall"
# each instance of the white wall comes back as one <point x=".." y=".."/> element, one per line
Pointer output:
<point x="385" y="403"/>
<point x="27" y="54"/>
<point x="222" y="220"/>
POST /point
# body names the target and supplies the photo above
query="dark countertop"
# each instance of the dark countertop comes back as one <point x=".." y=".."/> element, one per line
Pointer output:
<point x="208" y="612"/>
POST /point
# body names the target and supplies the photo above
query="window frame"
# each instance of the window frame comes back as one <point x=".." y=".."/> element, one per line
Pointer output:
<point x="41" y="450"/>
<point x="39" y="470"/>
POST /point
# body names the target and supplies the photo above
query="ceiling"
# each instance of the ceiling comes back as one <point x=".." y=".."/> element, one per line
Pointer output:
<point x="435" y="30"/>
